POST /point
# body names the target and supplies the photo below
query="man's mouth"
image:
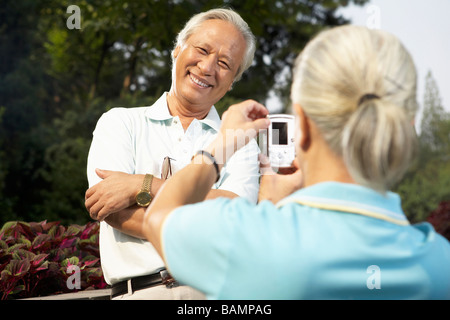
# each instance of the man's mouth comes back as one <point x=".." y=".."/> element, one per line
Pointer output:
<point x="199" y="82"/>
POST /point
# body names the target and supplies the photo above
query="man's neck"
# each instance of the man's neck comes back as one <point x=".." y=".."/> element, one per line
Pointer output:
<point x="185" y="112"/>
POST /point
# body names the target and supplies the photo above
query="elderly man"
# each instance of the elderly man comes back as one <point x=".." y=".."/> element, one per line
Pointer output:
<point x="135" y="149"/>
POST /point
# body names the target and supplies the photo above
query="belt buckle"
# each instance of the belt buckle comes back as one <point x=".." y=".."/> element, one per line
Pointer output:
<point x="167" y="279"/>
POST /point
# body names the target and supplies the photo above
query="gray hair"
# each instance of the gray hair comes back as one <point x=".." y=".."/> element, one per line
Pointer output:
<point x="225" y="15"/>
<point x="359" y="87"/>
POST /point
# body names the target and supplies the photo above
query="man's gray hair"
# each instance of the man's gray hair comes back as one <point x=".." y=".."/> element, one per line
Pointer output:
<point x="225" y="15"/>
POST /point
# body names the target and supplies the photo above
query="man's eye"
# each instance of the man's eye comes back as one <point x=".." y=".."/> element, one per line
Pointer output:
<point x="224" y="64"/>
<point x="202" y="50"/>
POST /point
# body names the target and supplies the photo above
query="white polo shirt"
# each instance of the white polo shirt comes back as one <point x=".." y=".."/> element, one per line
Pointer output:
<point x="136" y="141"/>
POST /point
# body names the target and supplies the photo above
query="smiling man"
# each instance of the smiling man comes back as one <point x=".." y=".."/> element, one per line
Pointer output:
<point x="205" y="68"/>
<point x="134" y="149"/>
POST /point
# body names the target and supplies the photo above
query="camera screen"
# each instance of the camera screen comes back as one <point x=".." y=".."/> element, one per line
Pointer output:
<point x="279" y="133"/>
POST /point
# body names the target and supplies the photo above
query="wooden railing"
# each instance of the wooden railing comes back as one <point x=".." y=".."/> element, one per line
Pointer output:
<point x="101" y="294"/>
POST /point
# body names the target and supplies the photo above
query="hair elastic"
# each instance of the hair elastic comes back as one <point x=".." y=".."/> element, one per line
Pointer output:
<point x="367" y="97"/>
<point x="213" y="160"/>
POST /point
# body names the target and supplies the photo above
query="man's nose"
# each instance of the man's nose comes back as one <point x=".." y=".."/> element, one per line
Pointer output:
<point x="208" y="64"/>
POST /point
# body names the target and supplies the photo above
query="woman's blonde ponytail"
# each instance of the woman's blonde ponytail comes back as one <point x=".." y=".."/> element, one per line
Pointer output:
<point x="378" y="144"/>
<point x="359" y="87"/>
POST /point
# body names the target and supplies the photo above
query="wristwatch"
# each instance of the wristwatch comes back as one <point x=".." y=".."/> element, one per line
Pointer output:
<point x="143" y="198"/>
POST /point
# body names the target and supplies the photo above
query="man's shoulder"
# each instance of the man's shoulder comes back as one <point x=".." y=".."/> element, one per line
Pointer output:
<point x="120" y="118"/>
<point x="123" y="115"/>
<point x="157" y="111"/>
<point x="122" y="111"/>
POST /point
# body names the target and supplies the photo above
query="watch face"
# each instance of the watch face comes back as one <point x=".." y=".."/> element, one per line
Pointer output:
<point x="143" y="198"/>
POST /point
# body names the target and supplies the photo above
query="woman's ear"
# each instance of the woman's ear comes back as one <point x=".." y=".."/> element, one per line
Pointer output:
<point x="304" y="135"/>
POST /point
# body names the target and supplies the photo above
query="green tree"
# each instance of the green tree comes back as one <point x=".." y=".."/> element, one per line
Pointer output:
<point x="55" y="82"/>
<point x="435" y="130"/>
<point x="5" y="205"/>
<point x="427" y="183"/>
<point x="25" y="99"/>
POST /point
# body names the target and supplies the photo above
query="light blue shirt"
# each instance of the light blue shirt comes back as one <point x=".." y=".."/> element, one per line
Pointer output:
<point x="136" y="141"/>
<point x="327" y="241"/>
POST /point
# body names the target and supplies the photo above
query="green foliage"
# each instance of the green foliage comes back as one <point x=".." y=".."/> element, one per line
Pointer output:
<point x="440" y="219"/>
<point x="55" y="82"/>
<point x="35" y="258"/>
<point x="3" y="207"/>
<point x="427" y="183"/>
<point x="435" y="125"/>
<point x="424" y="188"/>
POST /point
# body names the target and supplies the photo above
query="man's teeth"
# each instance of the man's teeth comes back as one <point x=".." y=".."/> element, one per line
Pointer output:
<point x="199" y="82"/>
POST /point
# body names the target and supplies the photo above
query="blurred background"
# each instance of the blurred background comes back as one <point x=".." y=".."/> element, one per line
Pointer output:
<point x="57" y="79"/>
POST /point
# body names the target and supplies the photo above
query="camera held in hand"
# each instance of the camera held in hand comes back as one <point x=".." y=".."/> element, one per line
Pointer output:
<point x="277" y="141"/>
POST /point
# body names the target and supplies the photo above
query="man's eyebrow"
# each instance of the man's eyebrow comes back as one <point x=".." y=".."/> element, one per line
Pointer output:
<point x="228" y="58"/>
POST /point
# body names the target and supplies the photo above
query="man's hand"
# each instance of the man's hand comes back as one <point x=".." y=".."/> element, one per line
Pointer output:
<point x="273" y="186"/>
<point x="115" y="192"/>
<point x="113" y="200"/>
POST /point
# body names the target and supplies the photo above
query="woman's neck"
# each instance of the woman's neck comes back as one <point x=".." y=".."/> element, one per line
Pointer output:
<point x="321" y="164"/>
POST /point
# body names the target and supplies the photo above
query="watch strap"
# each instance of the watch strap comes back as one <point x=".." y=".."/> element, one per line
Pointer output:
<point x="147" y="184"/>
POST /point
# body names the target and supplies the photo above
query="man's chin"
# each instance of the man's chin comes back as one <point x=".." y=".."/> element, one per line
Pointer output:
<point x="197" y="98"/>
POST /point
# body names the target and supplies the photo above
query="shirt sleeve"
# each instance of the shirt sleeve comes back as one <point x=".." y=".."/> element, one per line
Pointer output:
<point x="112" y="145"/>
<point x="241" y="173"/>
<point x="208" y="243"/>
<point x="196" y="246"/>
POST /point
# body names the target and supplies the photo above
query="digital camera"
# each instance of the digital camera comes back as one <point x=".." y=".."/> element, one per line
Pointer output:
<point x="277" y="142"/>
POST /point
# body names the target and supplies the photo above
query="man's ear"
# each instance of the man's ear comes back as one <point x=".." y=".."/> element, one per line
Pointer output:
<point x="303" y="123"/>
<point x="175" y="52"/>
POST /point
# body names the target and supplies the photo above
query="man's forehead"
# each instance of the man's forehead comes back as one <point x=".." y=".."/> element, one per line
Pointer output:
<point x="211" y="32"/>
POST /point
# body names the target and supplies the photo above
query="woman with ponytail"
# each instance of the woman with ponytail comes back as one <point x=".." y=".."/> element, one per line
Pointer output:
<point x="332" y="229"/>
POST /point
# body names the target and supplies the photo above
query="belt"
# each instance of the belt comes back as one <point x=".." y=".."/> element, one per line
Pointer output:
<point x="143" y="282"/>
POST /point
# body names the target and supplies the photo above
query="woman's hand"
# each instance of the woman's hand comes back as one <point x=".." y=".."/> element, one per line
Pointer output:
<point x="240" y="123"/>
<point x="273" y="186"/>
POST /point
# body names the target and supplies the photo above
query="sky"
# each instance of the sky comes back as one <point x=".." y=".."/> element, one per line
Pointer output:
<point x="424" y="29"/>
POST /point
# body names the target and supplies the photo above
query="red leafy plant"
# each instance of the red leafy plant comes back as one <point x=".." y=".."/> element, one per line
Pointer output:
<point x="440" y="219"/>
<point x="35" y="258"/>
